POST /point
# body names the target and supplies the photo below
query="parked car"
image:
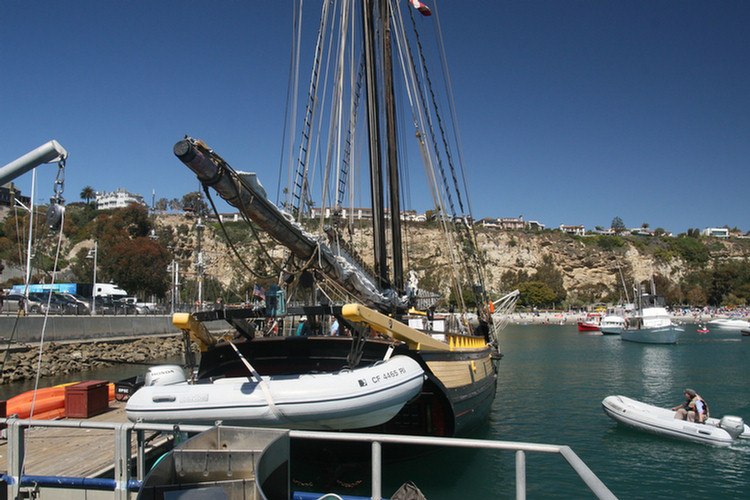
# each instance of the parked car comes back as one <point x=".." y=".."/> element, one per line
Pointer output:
<point x="77" y="304"/>
<point x="122" y="306"/>
<point x="39" y="303"/>
<point x="104" y="305"/>
<point x="10" y="304"/>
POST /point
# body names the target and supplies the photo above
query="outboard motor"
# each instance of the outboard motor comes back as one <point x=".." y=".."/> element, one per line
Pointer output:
<point x="733" y="425"/>
<point x="164" y="375"/>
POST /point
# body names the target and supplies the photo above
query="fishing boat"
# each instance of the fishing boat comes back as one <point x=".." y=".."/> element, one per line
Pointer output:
<point x="592" y="323"/>
<point x="612" y="324"/>
<point x="723" y="431"/>
<point x="651" y="323"/>
<point x="383" y="315"/>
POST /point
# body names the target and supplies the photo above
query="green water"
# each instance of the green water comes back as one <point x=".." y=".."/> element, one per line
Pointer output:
<point x="552" y="382"/>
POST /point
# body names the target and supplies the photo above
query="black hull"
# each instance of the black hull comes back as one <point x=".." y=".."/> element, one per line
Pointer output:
<point x="444" y="407"/>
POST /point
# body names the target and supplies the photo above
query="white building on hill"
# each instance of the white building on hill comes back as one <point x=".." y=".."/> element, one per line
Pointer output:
<point x="716" y="232"/>
<point x="117" y="199"/>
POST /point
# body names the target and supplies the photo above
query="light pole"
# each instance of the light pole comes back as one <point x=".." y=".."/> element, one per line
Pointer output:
<point x="93" y="287"/>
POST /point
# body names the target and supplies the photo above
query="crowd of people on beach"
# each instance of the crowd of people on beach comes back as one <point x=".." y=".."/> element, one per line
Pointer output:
<point x="681" y="315"/>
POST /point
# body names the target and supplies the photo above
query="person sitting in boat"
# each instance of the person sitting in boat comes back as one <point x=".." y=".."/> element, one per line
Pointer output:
<point x="694" y="409"/>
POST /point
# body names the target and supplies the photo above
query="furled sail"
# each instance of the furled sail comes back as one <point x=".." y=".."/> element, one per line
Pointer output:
<point x="243" y="191"/>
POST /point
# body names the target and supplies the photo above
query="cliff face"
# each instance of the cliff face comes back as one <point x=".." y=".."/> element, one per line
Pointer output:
<point x="586" y="263"/>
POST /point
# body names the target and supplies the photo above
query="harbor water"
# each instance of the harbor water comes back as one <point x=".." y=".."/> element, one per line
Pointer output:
<point x="552" y="382"/>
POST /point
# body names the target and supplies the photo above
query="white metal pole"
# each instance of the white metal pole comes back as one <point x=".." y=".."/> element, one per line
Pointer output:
<point x="93" y="288"/>
<point x="28" y="248"/>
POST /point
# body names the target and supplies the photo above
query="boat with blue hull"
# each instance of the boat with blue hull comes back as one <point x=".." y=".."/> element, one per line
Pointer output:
<point x="651" y="323"/>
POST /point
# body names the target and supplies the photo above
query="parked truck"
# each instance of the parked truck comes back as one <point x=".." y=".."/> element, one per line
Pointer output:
<point x="86" y="290"/>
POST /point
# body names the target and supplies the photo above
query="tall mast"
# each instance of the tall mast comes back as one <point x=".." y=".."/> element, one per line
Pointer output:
<point x="391" y="143"/>
<point x="376" y="171"/>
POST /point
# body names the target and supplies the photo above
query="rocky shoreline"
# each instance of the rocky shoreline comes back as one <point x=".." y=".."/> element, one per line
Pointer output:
<point x="21" y="361"/>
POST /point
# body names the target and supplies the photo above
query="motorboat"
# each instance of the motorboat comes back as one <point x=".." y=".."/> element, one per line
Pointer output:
<point x="612" y="325"/>
<point x="591" y="323"/>
<point x="730" y="324"/>
<point x="651" y="323"/>
<point x="347" y="399"/>
<point x="648" y="418"/>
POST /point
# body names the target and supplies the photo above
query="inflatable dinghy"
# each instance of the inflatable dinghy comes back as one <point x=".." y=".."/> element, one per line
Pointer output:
<point x="649" y="418"/>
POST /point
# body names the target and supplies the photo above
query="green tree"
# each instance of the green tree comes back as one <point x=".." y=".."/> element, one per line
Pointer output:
<point x="136" y="219"/>
<point x="534" y="293"/>
<point x="175" y="205"/>
<point x="692" y="250"/>
<point x="161" y="205"/>
<point x="88" y="194"/>
<point x="141" y="266"/>
<point x="194" y="203"/>
<point x="617" y="225"/>
<point x="551" y="276"/>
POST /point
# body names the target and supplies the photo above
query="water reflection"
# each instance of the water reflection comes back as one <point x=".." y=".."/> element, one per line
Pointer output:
<point x="657" y="366"/>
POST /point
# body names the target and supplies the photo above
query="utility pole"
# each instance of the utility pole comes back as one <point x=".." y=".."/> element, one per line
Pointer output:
<point x="199" y="266"/>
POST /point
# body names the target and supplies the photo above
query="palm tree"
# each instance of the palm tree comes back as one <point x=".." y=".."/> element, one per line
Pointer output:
<point x="88" y="194"/>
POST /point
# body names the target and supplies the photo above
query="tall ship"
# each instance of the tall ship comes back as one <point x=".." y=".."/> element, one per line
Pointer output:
<point x="342" y="340"/>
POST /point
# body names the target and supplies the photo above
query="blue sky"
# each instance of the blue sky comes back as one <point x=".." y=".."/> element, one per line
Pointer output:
<point x="570" y="112"/>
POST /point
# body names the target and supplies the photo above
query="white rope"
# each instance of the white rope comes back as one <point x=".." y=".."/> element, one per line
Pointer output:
<point x="41" y="338"/>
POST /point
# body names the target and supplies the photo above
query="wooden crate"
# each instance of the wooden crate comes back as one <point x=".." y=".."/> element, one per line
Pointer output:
<point x="86" y="399"/>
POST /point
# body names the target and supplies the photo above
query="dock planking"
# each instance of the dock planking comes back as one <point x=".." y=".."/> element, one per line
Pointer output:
<point x="73" y="452"/>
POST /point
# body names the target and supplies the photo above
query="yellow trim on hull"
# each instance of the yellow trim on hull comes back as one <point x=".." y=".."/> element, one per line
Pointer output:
<point x="415" y="339"/>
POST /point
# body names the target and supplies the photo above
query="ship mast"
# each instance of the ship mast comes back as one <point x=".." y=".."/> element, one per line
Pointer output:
<point x="383" y="35"/>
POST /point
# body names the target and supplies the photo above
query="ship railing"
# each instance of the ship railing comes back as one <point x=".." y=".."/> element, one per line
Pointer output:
<point x="597" y="487"/>
<point x="123" y="483"/>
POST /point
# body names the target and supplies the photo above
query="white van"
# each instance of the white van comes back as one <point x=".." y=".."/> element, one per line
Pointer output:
<point x="109" y="290"/>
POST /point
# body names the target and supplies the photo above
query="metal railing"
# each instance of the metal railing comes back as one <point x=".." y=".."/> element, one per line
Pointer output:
<point x="123" y="432"/>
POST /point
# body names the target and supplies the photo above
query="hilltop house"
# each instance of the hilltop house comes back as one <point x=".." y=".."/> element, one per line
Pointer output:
<point x="509" y="223"/>
<point x="576" y="230"/>
<point x="716" y="232"/>
<point x="117" y="199"/>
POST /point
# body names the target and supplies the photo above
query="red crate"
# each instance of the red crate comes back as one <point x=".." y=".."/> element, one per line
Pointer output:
<point x="86" y="399"/>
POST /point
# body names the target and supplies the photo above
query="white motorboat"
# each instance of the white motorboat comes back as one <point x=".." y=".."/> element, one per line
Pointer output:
<point x="347" y="399"/>
<point x="651" y="323"/>
<point x="730" y="324"/>
<point x="661" y="421"/>
<point x="612" y="325"/>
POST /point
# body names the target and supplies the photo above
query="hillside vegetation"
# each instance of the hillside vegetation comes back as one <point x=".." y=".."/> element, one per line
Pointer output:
<point x="136" y="251"/>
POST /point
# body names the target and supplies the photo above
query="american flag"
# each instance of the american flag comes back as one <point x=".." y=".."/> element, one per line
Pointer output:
<point x="259" y="292"/>
<point x="422" y="8"/>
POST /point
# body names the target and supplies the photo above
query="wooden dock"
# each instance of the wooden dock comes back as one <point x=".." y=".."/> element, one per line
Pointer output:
<point x="74" y="452"/>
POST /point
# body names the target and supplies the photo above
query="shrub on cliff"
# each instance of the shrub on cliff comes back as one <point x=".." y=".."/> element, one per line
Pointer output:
<point x="692" y="250"/>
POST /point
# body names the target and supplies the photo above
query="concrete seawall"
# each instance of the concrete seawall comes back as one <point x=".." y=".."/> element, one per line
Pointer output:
<point x="84" y="328"/>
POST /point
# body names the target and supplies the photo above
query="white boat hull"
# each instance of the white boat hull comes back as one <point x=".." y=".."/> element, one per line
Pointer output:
<point x="661" y="421"/>
<point x="660" y="335"/>
<point x="612" y="325"/>
<point x="349" y="399"/>
<point x="730" y="324"/>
